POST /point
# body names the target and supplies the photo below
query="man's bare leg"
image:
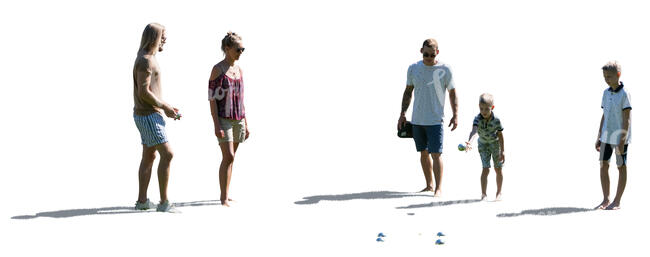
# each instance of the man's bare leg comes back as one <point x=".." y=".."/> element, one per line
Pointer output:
<point x="484" y="180"/>
<point x="144" y="173"/>
<point x="499" y="182"/>
<point x="437" y="173"/>
<point x="622" y="180"/>
<point x="166" y="156"/>
<point x="225" y="170"/>
<point x="604" y="182"/>
<point x="427" y="169"/>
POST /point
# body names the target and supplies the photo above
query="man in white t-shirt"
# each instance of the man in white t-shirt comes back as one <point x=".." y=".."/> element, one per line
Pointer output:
<point x="614" y="134"/>
<point x="430" y="80"/>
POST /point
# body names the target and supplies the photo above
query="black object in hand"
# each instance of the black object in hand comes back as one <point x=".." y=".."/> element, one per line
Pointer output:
<point x="406" y="131"/>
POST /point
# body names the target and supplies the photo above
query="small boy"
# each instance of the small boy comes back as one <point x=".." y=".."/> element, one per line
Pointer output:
<point x="490" y="143"/>
<point x="614" y="133"/>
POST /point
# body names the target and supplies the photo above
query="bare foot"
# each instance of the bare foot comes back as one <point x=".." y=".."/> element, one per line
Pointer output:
<point x="426" y="189"/>
<point x="438" y="193"/>
<point x="613" y="206"/>
<point x="483" y="198"/>
<point x="603" y="205"/>
<point x="225" y="203"/>
<point x="498" y="198"/>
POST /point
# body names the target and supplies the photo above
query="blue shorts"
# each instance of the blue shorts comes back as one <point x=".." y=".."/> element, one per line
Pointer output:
<point x="152" y="129"/>
<point x="428" y="138"/>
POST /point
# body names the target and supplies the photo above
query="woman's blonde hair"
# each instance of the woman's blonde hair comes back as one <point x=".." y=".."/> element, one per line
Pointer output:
<point x="150" y="36"/>
<point x="229" y="40"/>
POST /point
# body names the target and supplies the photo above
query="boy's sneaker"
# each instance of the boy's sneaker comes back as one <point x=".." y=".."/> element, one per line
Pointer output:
<point x="167" y="207"/>
<point x="144" y="206"/>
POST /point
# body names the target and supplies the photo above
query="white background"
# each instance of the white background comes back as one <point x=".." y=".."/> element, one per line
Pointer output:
<point x="324" y="83"/>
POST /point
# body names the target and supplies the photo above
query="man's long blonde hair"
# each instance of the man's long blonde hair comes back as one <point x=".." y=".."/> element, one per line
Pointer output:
<point x="150" y="36"/>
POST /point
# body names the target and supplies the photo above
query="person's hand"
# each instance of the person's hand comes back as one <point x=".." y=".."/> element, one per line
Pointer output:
<point x="178" y="114"/>
<point x="219" y="132"/>
<point x="502" y="157"/>
<point x="170" y="111"/>
<point x="248" y="133"/>
<point x="401" y="122"/>
<point x="454" y="122"/>
<point x="468" y="146"/>
<point x="598" y="145"/>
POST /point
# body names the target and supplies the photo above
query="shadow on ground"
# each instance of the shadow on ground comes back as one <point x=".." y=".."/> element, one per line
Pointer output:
<point x="545" y="212"/>
<point x="438" y="204"/>
<point x="105" y="210"/>
<point x="359" y="196"/>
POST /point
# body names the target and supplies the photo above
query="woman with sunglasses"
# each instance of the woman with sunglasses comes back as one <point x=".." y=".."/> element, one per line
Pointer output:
<point x="226" y="95"/>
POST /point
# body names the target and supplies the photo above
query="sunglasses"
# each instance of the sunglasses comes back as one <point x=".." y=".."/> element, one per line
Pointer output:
<point x="427" y="55"/>
<point x="240" y="50"/>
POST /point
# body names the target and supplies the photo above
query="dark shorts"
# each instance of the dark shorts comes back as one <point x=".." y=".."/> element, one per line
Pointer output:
<point x="606" y="151"/>
<point x="428" y="138"/>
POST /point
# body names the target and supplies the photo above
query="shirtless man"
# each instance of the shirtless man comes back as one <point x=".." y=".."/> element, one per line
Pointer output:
<point x="147" y="115"/>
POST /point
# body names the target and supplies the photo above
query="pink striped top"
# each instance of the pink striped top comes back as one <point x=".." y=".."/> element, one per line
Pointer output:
<point x="229" y="95"/>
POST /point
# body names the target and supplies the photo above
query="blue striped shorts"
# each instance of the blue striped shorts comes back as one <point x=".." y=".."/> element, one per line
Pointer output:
<point x="152" y="129"/>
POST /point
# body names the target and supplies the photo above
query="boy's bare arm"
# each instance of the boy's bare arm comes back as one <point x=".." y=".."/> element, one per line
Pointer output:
<point x="600" y="130"/>
<point x="626" y="126"/>
<point x="501" y="144"/>
<point x="472" y="134"/>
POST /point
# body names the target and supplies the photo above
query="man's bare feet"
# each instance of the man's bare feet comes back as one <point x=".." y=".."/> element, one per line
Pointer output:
<point x="225" y="203"/>
<point x="498" y="198"/>
<point x="483" y="198"/>
<point x="427" y="189"/>
<point x="613" y="206"/>
<point x="438" y="193"/>
<point x="603" y="205"/>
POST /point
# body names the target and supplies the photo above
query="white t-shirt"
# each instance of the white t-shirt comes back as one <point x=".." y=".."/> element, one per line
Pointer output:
<point x="430" y="83"/>
<point x="614" y="102"/>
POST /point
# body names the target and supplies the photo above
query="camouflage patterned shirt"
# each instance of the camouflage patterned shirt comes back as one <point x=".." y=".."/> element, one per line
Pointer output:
<point x="487" y="129"/>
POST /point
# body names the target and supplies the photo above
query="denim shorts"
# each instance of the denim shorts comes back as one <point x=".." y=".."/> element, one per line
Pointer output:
<point x="428" y="138"/>
<point x="152" y="129"/>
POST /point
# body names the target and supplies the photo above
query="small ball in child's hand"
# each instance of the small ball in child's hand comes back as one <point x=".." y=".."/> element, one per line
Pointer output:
<point x="461" y="147"/>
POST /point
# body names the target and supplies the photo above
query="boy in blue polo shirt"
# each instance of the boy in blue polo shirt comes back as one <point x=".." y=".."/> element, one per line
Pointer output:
<point x="490" y="143"/>
<point x="614" y="133"/>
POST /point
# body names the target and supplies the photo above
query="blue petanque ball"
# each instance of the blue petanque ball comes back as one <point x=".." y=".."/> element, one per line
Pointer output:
<point x="380" y="240"/>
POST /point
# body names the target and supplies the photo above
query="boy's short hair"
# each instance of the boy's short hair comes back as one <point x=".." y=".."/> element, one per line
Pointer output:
<point x="486" y="99"/>
<point x="612" y="66"/>
<point x="430" y="43"/>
